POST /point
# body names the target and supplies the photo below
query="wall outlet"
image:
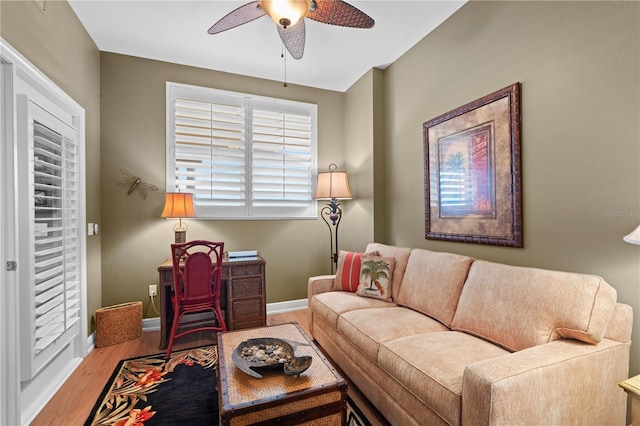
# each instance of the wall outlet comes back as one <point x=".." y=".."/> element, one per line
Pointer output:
<point x="153" y="290"/>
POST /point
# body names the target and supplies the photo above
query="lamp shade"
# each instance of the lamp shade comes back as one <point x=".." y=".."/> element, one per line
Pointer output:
<point x="178" y="205"/>
<point x="633" y="237"/>
<point x="285" y="12"/>
<point x="333" y="184"/>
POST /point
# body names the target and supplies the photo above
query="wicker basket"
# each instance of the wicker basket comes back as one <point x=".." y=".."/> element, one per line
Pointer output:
<point x="118" y="323"/>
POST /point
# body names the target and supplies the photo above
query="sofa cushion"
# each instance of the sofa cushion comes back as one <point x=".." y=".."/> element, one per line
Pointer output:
<point x="376" y="274"/>
<point x="332" y="304"/>
<point x="431" y="366"/>
<point x="518" y="307"/>
<point x="432" y="283"/>
<point x="362" y="327"/>
<point x="401" y="255"/>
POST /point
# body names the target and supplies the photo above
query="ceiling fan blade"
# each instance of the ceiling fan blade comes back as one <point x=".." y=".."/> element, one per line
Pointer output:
<point x="237" y="17"/>
<point x="293" y="38"/>
<point x="337" y="12"/>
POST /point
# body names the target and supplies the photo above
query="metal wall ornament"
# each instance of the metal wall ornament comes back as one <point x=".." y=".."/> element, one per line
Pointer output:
<point x="472" y="171"/>
<point x="134" y="182"/>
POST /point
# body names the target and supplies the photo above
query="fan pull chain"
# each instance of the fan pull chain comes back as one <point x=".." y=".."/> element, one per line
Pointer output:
<point x="283" y="55"/>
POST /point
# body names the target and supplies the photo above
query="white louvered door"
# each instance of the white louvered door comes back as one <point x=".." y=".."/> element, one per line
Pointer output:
<point x="49" y="200"/>
<point x="44" y="327"/>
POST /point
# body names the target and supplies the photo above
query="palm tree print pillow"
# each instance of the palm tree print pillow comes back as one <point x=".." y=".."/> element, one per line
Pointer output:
<point x="375" y="277"/>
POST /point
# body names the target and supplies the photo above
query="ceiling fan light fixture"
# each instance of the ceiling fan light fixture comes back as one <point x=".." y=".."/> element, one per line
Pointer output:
<point x="285" y="13"/>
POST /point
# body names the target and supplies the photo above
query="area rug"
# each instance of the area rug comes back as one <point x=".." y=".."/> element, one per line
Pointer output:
<point x="153" y="391"/>
<point x="355" y="416"/>
<point x="150" y="391"/>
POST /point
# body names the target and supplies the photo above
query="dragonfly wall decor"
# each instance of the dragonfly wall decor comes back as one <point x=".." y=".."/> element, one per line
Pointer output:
<point x="134" y="182"/>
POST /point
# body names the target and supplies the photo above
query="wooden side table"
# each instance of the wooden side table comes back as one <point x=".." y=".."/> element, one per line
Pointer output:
<point x="243" y="299"/>
<point x="632" y="387"/>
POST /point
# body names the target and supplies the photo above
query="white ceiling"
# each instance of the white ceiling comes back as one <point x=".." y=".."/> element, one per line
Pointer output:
<point x="334" y="57"/>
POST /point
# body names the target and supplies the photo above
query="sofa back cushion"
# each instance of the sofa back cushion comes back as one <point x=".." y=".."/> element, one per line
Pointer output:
<point x="400" y="254"/>
<point x="432" y="283"/>
<point x="518" y="307"/>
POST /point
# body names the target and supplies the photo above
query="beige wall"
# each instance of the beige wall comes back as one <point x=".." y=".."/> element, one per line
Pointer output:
<point x="363" y="219"/>
<point x="135" y="239"/>
<point x="58" y="45"/>
<point x="356" y="225"/>
<point x="578" y="63"/>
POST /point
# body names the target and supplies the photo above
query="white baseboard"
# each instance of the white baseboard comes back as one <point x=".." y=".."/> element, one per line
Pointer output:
<point x="287" y="306"/>
<point x="152" y="324"/>
<point x="91" y="342"/>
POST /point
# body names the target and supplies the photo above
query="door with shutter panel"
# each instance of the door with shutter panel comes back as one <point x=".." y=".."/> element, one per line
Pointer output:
<point x="44" y="303"/>
<point x="50" y="297"/>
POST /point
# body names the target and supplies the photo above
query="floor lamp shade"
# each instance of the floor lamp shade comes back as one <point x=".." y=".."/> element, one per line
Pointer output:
<point x="333" y="184"/>
<point x="178" y="205"/>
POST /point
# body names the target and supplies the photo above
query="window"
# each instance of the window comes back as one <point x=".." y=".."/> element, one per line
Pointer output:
<point x="241" y="156"/>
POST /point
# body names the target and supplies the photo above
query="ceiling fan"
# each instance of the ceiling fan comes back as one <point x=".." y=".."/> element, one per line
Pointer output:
<point x="289" y="17"/>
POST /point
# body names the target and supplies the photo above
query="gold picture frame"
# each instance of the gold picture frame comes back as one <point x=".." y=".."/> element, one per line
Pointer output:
<point x="472" y="171"/>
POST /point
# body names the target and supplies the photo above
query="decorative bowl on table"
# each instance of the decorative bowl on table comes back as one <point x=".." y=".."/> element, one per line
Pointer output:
<point x="267" y="353"/>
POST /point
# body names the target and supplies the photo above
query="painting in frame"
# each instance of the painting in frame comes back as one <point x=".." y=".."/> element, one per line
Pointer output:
<point x="473" y="173"/>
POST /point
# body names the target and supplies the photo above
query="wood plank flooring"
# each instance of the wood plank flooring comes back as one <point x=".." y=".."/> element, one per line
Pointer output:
<point x="72" y="404"/>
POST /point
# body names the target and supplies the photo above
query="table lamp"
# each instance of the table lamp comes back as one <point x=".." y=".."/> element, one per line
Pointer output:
<point x="333" y="185"/>
<point x="179" y="205"/>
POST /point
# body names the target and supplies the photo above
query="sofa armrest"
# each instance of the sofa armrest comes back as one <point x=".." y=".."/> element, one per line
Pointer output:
<point x="561" y="382"/>
<point x="319" y="284"/>
<point x="619" y="327"/>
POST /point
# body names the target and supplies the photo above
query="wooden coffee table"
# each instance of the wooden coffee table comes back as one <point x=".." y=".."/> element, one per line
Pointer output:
<point x="317" y="396"/>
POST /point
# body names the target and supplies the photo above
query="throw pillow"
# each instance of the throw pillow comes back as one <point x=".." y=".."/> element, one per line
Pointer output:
<point x="348" y="271"/>
<point x="376" y="275"/>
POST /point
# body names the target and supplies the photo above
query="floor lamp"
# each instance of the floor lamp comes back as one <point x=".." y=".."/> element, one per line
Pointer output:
<point x="333" y="186"/>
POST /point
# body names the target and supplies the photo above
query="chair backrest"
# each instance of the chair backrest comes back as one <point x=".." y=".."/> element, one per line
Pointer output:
<point x="197" y="268"/>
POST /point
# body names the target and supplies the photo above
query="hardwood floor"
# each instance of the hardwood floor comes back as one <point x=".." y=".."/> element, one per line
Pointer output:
<point x="72" y="404"/>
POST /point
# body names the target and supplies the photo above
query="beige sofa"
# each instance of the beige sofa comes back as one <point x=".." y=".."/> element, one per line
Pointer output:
<point x="470" y="342"/>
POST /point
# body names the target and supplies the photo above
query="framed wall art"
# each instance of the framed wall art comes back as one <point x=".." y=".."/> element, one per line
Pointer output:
<point x="472" y="172"/>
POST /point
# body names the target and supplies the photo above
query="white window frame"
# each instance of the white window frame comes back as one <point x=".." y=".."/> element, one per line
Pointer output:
<point x="253" y="209"/>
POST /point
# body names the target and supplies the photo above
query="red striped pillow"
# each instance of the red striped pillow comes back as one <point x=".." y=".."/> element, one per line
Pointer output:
<point x="348" y="271"/>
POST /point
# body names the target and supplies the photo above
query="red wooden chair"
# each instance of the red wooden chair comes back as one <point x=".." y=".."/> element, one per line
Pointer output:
<point x="197" y="268"/>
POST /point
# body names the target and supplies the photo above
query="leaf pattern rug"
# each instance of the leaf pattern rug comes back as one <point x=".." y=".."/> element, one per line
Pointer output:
<point x="151" y="391"/>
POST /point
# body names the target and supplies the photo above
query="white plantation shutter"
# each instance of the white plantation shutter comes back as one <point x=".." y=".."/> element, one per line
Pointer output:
<point x="242" y="156"/>
<point x="210" y="153"/>
<point x="55" y="250"/>
<point x="283" y="160"/>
